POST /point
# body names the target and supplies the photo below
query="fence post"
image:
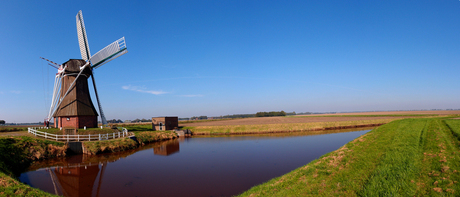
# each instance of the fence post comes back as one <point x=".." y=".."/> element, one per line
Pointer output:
<point x="45" y="134"/>
<point x="113" y="135"/>
<point x="99" y="137"/>
<point x="78" y="138"/>
<point x="67" y="137"/>
<point x="89" y="137"/>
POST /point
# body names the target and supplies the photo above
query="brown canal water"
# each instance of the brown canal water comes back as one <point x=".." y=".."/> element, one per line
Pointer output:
<point x="198" y="166"/>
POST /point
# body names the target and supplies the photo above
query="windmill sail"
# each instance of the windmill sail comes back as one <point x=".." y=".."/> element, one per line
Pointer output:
<point x="82" y="39"/>
<point x="109" y="53"/>
<point x="104" y="121"/>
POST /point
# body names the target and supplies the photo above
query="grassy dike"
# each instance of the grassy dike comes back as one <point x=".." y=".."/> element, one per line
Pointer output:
<point x="142" y="137"/>
<point x="17" y="153"/>
<point x="409" y="157"/>
<point x="283" y="127"/>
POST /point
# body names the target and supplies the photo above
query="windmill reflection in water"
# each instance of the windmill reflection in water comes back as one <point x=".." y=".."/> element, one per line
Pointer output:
<point x="79" y="176"/>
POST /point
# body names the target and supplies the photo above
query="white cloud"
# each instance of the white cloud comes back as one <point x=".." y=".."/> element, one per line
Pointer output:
<point x="143" y="90"/>
<point x="192" y="95"/>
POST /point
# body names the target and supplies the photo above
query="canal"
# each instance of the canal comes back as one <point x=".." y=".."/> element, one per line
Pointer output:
<point x="198" y="166"/>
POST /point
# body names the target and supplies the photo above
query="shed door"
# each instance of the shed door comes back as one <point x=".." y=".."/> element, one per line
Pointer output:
<point x="161" y="126"/>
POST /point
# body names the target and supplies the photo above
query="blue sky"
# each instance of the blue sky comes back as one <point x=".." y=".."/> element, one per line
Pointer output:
<point x="191" y="58"/>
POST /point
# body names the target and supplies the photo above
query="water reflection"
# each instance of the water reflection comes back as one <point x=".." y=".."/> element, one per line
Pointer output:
<point x="167" y="148"/>
<point x="78" y="181"/>
<point x="81" y="175"/>
<point x="205" y="166"/>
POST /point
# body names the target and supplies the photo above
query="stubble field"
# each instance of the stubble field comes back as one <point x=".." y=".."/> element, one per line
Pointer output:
<point x="359" y="116"/>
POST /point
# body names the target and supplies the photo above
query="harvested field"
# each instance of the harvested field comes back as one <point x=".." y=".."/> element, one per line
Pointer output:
<point x="320" y="118"/>
<point x="279" y="120"/>
<point x="440" y="112"/>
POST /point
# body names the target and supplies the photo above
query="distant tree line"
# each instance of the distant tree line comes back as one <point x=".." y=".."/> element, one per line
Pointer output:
<point x="270" y="114"/>
<point x="141" y="120"/>
<point x="114" y="121"/>
<point x="304" y="113"/>
<point x="199" y="118"/>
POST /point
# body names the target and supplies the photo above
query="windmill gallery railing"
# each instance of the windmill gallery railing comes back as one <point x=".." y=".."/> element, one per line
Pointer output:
<point x="89" y="137"/>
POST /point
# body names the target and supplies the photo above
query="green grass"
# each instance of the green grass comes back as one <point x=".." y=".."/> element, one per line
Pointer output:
<point x="138" y="127"/>
<point x="410" y="157"/>
<point x="16" y="155"/>
<point x="454" y="125"/>
<point x="12" y="129"/>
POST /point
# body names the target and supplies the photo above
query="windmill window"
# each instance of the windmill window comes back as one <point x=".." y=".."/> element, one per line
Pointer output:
<point x="68" y="118"/>
<point x="161" y="126"/>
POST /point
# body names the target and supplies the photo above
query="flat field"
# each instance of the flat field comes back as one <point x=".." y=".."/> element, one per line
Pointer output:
<point x="363" y="116"/>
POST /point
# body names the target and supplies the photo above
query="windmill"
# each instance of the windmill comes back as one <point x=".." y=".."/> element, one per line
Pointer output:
<point x="71" y="105"/>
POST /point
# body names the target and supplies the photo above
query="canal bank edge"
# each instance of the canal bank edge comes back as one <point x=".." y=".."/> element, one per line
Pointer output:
<point x="16" y="155"/>
<point x="140" y="139"/>
<point x="409" y="157"/>
<point x="18" y="152"/>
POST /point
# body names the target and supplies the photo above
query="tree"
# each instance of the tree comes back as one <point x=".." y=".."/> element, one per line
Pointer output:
<point x="270" y="114"/>
<point x="2" y="122"/>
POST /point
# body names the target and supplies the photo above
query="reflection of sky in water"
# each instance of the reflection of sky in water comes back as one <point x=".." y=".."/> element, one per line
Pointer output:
<point x="211" y="166"/>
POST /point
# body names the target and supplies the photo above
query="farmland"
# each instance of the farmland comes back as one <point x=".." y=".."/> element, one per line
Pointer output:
<point x="306" y="122"/>
<point x="322" y="118"/>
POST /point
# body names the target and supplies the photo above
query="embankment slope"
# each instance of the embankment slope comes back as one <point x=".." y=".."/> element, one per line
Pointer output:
<point x="410" y="157"/>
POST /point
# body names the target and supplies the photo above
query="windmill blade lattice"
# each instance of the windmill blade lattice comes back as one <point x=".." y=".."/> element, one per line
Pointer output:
<point x="55" y="64"/>
<point x="82" y="39"/>
<point x="109" y="53"/>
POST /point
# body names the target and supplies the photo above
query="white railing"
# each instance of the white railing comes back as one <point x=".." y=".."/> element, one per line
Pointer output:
<point x="89" y="137"/>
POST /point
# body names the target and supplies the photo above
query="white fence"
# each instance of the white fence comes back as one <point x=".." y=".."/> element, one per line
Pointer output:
<point x="89" y="137"/>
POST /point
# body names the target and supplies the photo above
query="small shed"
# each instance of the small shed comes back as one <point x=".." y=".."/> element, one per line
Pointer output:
<point x="165" y="123"/>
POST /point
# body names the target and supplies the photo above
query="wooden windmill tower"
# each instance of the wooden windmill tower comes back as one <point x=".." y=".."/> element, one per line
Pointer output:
<point x="71" y="104"/>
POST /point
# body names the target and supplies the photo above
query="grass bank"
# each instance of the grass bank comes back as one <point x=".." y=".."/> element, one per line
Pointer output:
<point x="122" y="144"/>
<point x="12" y="129"/>
<point x="16" y="155"/>
<point x="284" y="127"/>
<point x="409" y="157"/>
